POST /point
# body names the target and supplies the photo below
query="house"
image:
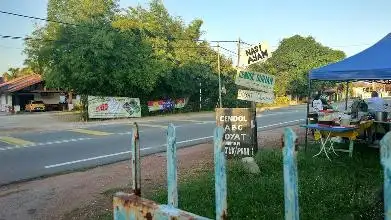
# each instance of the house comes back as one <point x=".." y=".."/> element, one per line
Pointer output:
<point x="16" y="93"/>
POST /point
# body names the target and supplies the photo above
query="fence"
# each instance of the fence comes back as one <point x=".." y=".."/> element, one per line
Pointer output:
<point x="133" y="206"/>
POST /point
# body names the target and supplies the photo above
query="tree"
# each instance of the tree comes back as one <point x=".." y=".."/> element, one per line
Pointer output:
<point x="145" y="53"/>
<point x="293" y="59"/>
<point x="14" y="73"/>
<point x="96" y="59"/>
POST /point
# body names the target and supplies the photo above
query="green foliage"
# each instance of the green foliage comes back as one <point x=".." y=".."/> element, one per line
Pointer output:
<point x="293" y="59"/>
<point x="13" y="73"/>
<point x="145" y="53"/>
<point x="149" y="54"/>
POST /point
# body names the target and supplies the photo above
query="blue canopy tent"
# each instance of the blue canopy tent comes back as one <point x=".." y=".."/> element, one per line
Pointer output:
<point x="371" y="64"/>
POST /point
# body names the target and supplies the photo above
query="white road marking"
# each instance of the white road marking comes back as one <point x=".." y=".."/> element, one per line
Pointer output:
<point x="117" y="154"/>
<point x="281" y="123"/>
<point x="128" y="133"/>
<point x="277" y="113"/>
<point x="45" y="143"/>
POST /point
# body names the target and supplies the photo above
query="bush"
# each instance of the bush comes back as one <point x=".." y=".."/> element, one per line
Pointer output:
<point x="278" y="101"/>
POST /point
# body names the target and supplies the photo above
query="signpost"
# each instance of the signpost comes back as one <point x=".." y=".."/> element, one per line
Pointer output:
<point x="255" y="96"/>
<point x="257" y="81"/>
<point x="239" y="128"/>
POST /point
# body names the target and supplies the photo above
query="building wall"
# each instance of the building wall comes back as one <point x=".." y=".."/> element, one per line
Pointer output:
<point x="50" y="98"/>
<point x="9" y="97"/>
<point x="5" y="102"/>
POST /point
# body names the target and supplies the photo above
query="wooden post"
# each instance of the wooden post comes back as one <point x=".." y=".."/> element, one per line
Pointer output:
<point x="385" y="159"/>
<point x="220" y="174"/>
<point x="291" y="196"/>
<point x="136" y="168"/>
<point x="172" y="184"/>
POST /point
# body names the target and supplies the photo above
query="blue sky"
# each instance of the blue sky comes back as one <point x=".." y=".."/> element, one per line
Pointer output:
<point x="348" y="25"/>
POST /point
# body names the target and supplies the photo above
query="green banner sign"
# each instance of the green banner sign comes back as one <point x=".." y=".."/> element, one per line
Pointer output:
<point x="257" y="81"/>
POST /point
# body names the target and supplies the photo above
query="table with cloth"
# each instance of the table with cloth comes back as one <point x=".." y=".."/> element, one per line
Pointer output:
<point x="324" y="133"/>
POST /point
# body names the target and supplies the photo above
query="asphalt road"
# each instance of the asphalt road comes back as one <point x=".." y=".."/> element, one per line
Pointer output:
<point x="33" y="154"/>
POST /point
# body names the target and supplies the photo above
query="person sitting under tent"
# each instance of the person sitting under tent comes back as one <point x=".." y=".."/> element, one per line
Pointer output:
<point x="375" y="103"/>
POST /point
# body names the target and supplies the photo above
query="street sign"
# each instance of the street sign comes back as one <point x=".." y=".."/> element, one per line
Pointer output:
<point x="257" y="81"/>
<point x="239" y="131"/>
<point x="254" y="54"/>
<point x="256" y="96"/>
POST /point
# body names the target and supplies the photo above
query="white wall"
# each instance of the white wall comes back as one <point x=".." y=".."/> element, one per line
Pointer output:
<point x="9" y="97"/>
<point x="50" y="98"/>
<point x="5" y="102"/>
<point x="2" y="99"/>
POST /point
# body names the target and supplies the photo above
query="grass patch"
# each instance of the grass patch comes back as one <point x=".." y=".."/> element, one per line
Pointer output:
<point x="346" y="188"/>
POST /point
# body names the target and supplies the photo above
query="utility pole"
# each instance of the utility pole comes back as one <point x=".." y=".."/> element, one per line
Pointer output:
<point x="200" y="96"/>
<point x="218" y="67"/>
<point x="253" y="108"/>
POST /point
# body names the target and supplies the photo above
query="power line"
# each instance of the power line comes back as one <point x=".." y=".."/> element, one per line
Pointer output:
<point x="230" y="51"/>
<point x="35" y="18"/>
<point x="67" y="23"/>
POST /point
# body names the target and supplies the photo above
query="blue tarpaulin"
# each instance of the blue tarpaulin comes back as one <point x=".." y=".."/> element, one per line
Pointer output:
<point x="374" y="63"/>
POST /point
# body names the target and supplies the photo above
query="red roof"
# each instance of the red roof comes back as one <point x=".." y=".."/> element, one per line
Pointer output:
<point x="20" y="83"/>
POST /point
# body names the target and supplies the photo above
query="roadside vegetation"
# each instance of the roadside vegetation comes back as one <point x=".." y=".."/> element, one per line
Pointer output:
<point x="346" y="188"/>
<point x="149" y="54"/>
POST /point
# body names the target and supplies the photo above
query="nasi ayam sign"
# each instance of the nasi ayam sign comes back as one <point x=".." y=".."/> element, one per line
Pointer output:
<point x="254" y="54"/>
<point x="113" y="107"/>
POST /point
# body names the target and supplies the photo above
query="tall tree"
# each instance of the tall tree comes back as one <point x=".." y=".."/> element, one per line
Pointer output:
<point x="95" y="58"/>
<point x="293" y="59"/>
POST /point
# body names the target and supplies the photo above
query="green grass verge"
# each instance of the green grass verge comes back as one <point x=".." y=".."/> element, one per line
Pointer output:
<point x="345" y="188"/>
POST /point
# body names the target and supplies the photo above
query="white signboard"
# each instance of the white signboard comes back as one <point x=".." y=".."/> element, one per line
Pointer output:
<point x="113" y="107"/>
<point x="255" y="96"/>
<point x="257" y="81"/>
<point x="254" y="54"/>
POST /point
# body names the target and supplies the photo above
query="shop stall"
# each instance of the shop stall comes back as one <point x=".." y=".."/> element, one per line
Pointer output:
<point x="372" y="65"/>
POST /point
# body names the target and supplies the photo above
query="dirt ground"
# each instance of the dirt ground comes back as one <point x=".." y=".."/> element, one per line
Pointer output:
<point x="82" y="195"/>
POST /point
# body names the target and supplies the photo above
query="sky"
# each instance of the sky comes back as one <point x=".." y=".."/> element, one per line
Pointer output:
<point x="348" y="25"/>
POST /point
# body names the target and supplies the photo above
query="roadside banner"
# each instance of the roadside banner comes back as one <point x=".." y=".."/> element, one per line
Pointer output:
<point x="239" y="130"/>
<point x="256" y="96"/>
<point x="166" y="104"/>
<point x="113" y="107"/>
<point x="257" y="53"/>
<point x="258" y="81"/>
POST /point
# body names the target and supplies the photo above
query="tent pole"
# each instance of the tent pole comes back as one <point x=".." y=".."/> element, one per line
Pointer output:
<point x="308" y="110"/>
<point x="347" y="96"/>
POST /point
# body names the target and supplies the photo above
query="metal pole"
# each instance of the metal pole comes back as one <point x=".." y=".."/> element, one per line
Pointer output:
<point x="218" y="67"/>
<point x="200" y="97"/>
<point x="308" y="110"/>
<point x="347" y="96"/>
<point x="237" y="65"/>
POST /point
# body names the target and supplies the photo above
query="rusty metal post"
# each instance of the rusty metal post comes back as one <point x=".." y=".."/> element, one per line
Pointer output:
<point x="291" y="196"/>
<point x="220" y="174"/>
<point x="385" y="159"/>
<point x="136" y="168"/>
<point x="172" y="183"/>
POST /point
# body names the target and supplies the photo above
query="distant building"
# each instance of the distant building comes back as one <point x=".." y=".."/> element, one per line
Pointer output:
<point x="16" y="93"/>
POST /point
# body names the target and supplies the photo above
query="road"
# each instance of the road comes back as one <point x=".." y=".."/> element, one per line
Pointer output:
<point x="29" y="155"/>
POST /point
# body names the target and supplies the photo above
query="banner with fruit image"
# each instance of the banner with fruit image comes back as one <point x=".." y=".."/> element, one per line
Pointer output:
<point x="113" y="107"/>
